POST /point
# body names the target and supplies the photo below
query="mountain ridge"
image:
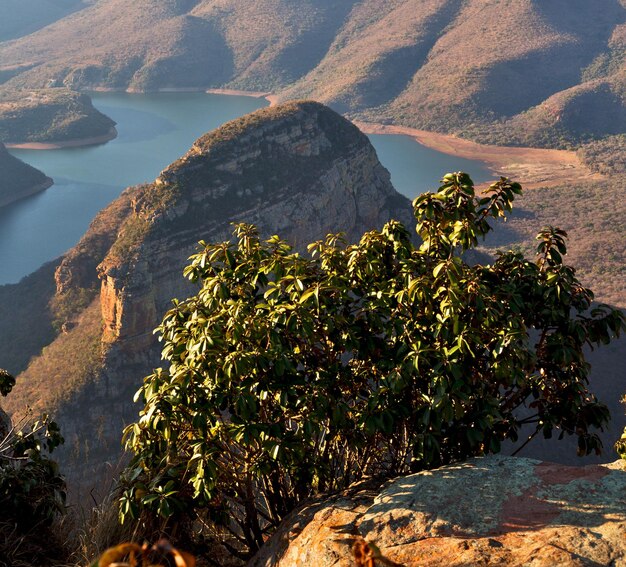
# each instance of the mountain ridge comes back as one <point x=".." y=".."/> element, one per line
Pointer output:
<point x="19" y="18"/>
<point x="521" y="73"/>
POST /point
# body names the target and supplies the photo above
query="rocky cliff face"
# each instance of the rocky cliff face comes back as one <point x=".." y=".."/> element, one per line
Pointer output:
<point x="298" y="170"/>
<point x="489" y="511"/>
<point x="18" y="179"/>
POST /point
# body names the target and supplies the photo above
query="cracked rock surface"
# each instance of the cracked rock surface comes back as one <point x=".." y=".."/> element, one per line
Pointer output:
<point x="492" y="510"/>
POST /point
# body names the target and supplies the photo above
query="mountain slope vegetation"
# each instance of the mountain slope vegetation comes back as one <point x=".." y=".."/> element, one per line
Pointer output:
<point x="54" y="114"/>
<point x="153" y="44"/>
<point x="505" y="71"/>
<point x="18" y="179"/>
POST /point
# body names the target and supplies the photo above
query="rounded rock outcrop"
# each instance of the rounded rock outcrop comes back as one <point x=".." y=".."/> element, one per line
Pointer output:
<point x="492" y="510"/>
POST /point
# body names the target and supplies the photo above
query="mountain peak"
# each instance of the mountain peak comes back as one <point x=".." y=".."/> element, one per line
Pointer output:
<point x="283" y="135"/>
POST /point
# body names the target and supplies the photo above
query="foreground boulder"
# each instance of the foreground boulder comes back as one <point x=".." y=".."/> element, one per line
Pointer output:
<point x="489" y="511"/>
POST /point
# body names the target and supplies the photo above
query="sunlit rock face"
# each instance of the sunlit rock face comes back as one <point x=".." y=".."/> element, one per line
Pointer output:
<point x="298" y="170"/>
<point x="488" y="511"/>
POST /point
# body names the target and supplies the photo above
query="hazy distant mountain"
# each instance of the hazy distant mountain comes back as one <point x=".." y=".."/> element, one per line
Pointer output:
<point x="21" y="17"/>
<point x="147" y="44"/>
<point x="522" y="71"/>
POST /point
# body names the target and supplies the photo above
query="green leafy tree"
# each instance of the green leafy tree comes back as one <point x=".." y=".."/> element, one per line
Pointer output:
<point x="32" y="491"/>
<point x="290" y="375"/>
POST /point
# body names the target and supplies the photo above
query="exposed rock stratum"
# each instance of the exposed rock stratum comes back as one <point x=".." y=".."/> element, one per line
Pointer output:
<point x="495" y="510"/>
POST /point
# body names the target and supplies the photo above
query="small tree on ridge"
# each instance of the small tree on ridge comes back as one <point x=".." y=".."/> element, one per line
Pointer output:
<point x="290" y="375"/>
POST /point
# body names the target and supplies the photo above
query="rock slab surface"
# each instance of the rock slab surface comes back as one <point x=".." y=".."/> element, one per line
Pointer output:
<point x="488" y="511"/>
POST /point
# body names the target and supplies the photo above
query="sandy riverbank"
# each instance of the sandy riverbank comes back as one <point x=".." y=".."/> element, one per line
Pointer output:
<point x="235" y="92"/>
<point x="93" y="141"/>
<point x="268" y="96"/>
<point x="533" y="167"/>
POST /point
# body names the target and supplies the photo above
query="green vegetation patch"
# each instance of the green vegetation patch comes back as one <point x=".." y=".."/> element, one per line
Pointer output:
<point x="32" y="490"/>
<point x="289" y="376"/>
<point x="606" y="156"/>
<point x="63" y="367"/>
<point x="131" y="235"/>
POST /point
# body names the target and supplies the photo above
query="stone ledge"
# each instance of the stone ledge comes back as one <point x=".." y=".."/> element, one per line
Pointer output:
<point x="488" y="511"/>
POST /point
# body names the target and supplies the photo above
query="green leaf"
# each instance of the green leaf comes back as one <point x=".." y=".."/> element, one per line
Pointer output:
<point x="288" y="376"/>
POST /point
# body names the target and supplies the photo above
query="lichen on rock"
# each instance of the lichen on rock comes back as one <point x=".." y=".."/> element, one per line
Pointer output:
<point x="488" y="511"/>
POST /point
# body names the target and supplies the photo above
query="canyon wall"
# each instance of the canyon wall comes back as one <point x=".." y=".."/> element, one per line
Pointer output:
<point x="298" y="170"/>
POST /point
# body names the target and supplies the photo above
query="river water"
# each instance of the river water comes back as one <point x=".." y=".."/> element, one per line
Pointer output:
<point x="153" y="131"/>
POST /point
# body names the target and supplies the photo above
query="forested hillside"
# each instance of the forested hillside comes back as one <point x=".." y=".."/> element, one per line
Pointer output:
<point x="57" y="115"/>
<point x="18" y="179"/>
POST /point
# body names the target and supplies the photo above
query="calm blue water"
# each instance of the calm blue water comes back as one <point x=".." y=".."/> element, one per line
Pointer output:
<point x="154" y="130"/>
<point x="416" y="169"/>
